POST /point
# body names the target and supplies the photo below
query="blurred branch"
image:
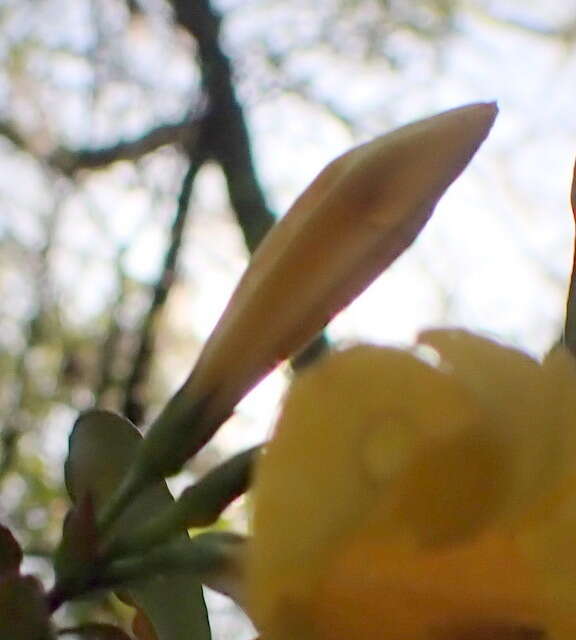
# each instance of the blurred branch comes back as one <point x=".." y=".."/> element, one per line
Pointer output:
<point x="134" y="7"/>
<point x="565" y="32"/>
<point x="37" y="330"/>
<point x="134" y="402"/>
<point x="109" y="351"/>
<point x="227" y="133"/>
<point x="9" y="131"/>
<point x="69" y="161"/>
<point x="223" y="136"/>
<point x="8" y="448"/>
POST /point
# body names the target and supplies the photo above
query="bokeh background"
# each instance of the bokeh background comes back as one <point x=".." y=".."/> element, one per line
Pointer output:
<point x="146" y="146"/>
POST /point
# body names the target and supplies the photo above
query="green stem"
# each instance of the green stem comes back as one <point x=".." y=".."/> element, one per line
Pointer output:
<point x="199" y="505"/>
<point x="203" y="556"/>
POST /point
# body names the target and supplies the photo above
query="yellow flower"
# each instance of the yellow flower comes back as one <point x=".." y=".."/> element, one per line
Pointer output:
<point x="403" y="500"/>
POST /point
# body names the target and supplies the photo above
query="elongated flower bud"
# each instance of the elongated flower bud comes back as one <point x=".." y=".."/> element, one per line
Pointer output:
<point x="359" y="214"/>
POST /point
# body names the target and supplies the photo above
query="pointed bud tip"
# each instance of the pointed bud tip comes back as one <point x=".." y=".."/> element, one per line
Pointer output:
<point x="481" y="110"/>
<point x="484" y="110"/>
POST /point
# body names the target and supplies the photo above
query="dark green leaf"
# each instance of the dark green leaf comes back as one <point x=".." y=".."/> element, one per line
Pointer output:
<point x="10" y="552"/>
<point x="102" y="446"/>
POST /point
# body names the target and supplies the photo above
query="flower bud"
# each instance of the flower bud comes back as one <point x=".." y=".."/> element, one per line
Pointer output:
<point x="360" y="213"/>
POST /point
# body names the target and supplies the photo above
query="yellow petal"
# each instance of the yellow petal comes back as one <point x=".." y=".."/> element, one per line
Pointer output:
<point x="328" y="470"/>
<point x="549" y="540"/>
<point x="393" y="591"/>
<point x="549" y="546"/>
<point x="521" y="398"/>
<point x="385" y="508"/>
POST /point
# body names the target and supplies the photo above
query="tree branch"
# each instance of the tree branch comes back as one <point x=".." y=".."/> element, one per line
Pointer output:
<point x="566" y="32"/>
<point x="110" y="347"/>
<point x="70" y="161"/>
<point x="9" y="131"/>
<point x="227" y="134"/>
<point x="134" y="401"/>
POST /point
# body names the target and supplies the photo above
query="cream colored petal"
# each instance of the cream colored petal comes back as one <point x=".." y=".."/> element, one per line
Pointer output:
<point x="360" y="213"/>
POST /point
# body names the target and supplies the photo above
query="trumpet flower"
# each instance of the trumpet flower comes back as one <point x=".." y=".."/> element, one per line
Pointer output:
<point x="399" y="500"/>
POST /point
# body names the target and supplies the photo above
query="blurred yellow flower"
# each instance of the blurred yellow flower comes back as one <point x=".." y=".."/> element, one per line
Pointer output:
<point x="420" y="495"/>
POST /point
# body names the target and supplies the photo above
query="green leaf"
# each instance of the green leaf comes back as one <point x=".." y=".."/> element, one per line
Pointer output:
<point x="24" y="613"/>
<point x="10" y="552"/>
<point x="102" y="447"/>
